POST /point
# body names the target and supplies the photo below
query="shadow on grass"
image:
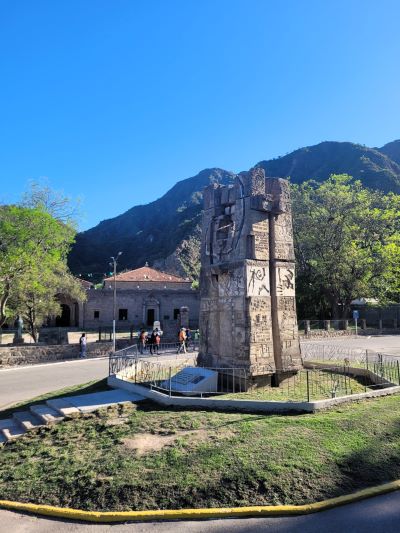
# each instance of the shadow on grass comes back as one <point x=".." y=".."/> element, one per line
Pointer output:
<point x="375" y="464"/>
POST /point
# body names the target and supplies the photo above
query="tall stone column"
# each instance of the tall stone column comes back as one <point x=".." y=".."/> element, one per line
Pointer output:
<point x="282" y="271"/>
<point x="247" y="310"/>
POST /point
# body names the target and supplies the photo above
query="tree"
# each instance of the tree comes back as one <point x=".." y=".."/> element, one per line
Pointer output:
<point x="55" y="203"/>
<point x="33" y="269"/>
<point x="347" y="242"/>
<point x="35" y="294"/>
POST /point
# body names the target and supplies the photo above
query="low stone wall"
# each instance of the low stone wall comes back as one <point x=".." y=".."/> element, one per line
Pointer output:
<point x="35" y="353"/>
<point x="331" y="333"/>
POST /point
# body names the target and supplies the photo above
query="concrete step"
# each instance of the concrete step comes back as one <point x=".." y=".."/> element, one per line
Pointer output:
<point x="63" y="407"/>
<point x="46" y="414"/>
<point x="7" y="422"/>
<point x="27" y="420"/>
<point x="98" y="400"/>
<point x="13" y="431"/>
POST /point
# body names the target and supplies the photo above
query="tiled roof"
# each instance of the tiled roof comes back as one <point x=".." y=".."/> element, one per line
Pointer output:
<point x="84" y="283"/>
<point x="146" y="274"/>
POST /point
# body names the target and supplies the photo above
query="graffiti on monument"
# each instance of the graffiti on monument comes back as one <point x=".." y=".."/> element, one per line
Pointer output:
<point x="257" y="281"/>
<point x="285" y="282"/>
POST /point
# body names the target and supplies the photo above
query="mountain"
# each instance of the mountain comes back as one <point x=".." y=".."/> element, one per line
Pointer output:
<point x="166" y="232"/>
<point x="370" y="165"/>
<point x="392" y="150"/>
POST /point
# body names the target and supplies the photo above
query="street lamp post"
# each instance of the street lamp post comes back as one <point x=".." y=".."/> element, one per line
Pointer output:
<point x="114" y="265"/>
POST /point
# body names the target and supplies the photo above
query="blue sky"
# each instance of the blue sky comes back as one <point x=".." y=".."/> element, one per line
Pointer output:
<point x="114" y="101"/>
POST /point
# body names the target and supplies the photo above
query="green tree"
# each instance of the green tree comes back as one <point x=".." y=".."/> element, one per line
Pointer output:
<point x="33" y="253"/>
<point x="347" y="245"/>
<point x="36" y="294"/>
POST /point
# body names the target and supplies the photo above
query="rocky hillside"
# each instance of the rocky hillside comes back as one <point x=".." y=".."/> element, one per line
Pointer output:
<point x="166" y="232"/>
<point x="370" y="165"/>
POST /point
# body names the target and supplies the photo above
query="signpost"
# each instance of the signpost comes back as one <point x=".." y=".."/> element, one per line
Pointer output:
<point x="356" y="316"/>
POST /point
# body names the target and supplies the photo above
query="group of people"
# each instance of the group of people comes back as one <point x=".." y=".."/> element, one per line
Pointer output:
<point x="153" y="340"/>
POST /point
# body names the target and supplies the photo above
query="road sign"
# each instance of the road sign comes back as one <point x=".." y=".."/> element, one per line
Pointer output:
<point x="356" y="314"/>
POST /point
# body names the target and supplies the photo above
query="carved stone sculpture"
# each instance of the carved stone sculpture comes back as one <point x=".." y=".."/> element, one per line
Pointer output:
<point x="247" y="281"/>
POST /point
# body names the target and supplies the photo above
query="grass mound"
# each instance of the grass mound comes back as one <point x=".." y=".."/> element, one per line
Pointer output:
<point x="148" y="457"/>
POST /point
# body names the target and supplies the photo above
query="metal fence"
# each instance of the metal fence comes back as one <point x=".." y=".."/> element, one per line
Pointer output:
<point x="376" y="370"/>
<point x="164" y="377"/>
<point x="333" y="371"/>
<point x="316" y="351"/>
<point x="126" y="357"/>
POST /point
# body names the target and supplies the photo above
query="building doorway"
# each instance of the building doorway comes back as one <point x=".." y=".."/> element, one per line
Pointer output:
<point x="150" y="317"/>
<point x="64" y="320"/>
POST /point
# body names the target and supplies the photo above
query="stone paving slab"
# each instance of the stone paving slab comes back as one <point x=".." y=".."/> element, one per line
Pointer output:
<point x="97" y="400"/>
<point x="63" y="406"/>
<point x="6" y="423"/>
<point x="46" y="413"/>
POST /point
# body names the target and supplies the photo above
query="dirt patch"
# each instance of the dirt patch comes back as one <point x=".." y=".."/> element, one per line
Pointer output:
<point x="149" y="442"/>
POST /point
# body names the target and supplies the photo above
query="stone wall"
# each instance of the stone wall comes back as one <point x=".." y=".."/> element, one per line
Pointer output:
<point x="165" y="304"/>
<point x="34" y="354"/>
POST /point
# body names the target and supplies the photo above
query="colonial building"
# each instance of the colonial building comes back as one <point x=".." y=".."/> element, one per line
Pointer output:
<point x="143" y="296"/>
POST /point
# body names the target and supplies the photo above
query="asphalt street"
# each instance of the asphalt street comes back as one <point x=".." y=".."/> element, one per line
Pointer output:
<point x="388" y="344"/>
<point x="375" y="515"/>
<point x="23" y="383"/>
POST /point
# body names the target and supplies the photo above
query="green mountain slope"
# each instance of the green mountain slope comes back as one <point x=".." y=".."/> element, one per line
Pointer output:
<point x="374" y="168"/>
<point x="166" y="232"/>
<point x="392" y="150"/>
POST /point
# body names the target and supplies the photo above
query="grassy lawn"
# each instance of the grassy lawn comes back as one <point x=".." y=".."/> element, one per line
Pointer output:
<point x="149" y="457"/>
<point x="322" y="385"/>
<point x="84" y="388"/>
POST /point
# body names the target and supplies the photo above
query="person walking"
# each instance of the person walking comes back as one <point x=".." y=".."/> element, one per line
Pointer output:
<point x="188" y="338"/>
<point x="157" y="340"/>
<point x="142" y="341"/>
<point x="152" y="342"/>
<point x="82" y="346"/>
<point x="182" y="340"/>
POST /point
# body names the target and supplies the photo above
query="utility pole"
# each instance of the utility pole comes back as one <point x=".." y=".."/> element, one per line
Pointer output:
<point x="114" y="265"/>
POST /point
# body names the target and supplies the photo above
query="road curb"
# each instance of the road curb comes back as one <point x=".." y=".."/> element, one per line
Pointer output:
<point x="198" y="514"/>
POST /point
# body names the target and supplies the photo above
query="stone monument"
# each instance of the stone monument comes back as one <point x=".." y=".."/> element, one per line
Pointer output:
<point x="18" y="336"/>
<point x="247" y="280"/>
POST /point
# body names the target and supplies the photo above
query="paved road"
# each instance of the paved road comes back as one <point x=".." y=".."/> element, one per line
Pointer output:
<point x="19" y="384"/>
<point x="389" y="344"/>
<point x="376" y="515"/>
<point x="24" y="383"/>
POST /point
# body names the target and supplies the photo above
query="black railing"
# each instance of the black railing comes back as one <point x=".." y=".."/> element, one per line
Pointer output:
<point x="123" y="358"/>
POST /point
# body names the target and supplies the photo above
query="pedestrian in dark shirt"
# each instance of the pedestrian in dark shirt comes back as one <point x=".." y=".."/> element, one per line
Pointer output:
<point x="82" y="346"/>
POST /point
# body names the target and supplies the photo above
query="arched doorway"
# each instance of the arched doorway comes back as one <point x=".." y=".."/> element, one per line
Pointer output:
<point x="64" y="320"/>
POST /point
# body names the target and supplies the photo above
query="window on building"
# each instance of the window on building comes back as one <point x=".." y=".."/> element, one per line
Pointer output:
<point x="176" y="313"/>
<point x="123" y="314"/>
<point x="96" y="314"/>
